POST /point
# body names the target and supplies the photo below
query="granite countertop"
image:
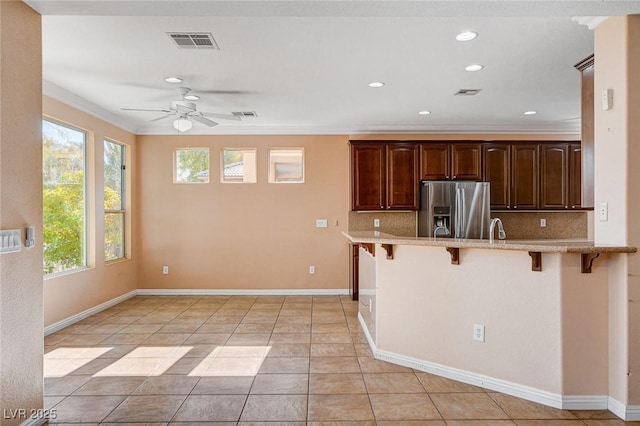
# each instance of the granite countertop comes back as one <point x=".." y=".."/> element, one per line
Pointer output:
<point x="543" y="246"/>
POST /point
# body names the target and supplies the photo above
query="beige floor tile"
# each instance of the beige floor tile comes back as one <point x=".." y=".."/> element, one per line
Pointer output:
<point x="517" y="408"/>
<point x="84" y="339"/>
<point x="172" y="327"/>
<point x="337" y="407"/>
<point x="232" y="311"/>
<point x="126" y="339"/>
<point x="232" y="367"/>
<point x="93" y="366"/>
<point x="147" y="408"/>
<point x="268" y="424"/>
<point x="109" y="386"/>
<point x="327" y="319"/>
<point x="363" y="350"/>
<point x="331" y="338"/>
<point x="75" y="409"/>
<point x="141" y="328"/>
<point x="334" y="364"/>
<point x="292" y="328"/>
<point x="207" y="338"/>
<point x="216" y="328"/>
<point x="183" y="366"/>
<point x="288" y="349"/>
<point x="550" y="422"/>
<point x="372" y="365"/>
<point x="167" y="385"/>
<point x="198" y="350"/>
<point x="166" y="339"/>
<point x="70" y="329"/>
<point x="480" y="423"/>
<point x="392" y="383"/>
<point x="248" y="339"/>
<point x="60" y="386"/>
<point x="332" y="349"/>
<point x="254" y="328"/>
<point x="277" y="408"/>
<point x="224" y="319"/>
<point x="239" y="385"/>
<point x="412" y="423"/>
<point x="139" y="367"/>
<point x="594" y="414"/>
<point x="102" y="329"/>
<point x="437" y="384"/>
<point x="54" y="339"/>
<point x="330" y="328"/>
<point x="280" y="384"/>
<point x="295" y="311"/>
<point x="343" y="423"/>
<point x="116" y="351"/>
<point x="290" y="338"/>
<point x="211" y="408"/>
<point x="335" y="384"/>
<point x="51" y="401"/>
<point x="285" y="365"/>
<point x="294" y="319"/>
<point x="608" y="422"/>
<point x="403" y="407"/>
<point x="467" y="406"/>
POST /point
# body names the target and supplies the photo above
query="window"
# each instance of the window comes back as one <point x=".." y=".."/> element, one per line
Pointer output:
<point x="191" y="165"/>
<point x="286" y="165"/>
<point x="63" y="197"/>
<point x="238" y="165"/>
<point x="114" y="201"/>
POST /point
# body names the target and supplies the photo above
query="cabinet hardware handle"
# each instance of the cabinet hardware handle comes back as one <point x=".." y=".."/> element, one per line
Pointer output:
<point x="453" y="177"/>
<point x="515" y="207"/>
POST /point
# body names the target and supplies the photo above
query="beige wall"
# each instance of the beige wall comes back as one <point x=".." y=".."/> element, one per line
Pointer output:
<point x="68" y="294"/>
<point x="243" y="236"/>
<point x="617" y="132"/>
<point x="21" y="345"/>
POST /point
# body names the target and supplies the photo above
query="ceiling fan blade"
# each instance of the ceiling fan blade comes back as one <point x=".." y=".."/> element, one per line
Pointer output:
<point x="222" y="116"/>
<point x="225" y="92"/>
<point x="162" y="118"/>
<point x="204" y="120"/>
<point x="148" y="110"/>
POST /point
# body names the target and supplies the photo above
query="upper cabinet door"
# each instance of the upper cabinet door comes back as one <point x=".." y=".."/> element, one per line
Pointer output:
<point x="497" y="172"/>
<point x="554" y="176"/>
<point x="402" y="176"/>
<point x="575" y="176"/>
<point x="436" y="160"/>
<point x="524" y="176"/>
<point x="368" y="176"/>
<point x="466" y="162"/>
<point x="586" y="68"/>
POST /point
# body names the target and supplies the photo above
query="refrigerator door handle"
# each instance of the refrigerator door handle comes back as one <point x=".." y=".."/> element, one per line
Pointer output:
<point x="457" y="215"/>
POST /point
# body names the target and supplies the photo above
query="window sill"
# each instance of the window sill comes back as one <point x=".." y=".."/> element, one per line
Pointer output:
<point x="116" y="261"/>
<point x="64" y="273"/>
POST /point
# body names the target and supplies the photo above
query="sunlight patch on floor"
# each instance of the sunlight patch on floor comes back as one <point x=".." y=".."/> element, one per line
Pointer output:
<point x="63" y="361"/>
<point x="145" y="361"/>
<point x="232" y="361"/>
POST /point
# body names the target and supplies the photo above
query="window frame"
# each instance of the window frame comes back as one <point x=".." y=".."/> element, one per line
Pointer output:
<point x="175" y="165"/>
<point x="238" y="180"/>
<point x="271" y="171"/>
<point x="85" y="248"/>
<point x="123" y="199"/>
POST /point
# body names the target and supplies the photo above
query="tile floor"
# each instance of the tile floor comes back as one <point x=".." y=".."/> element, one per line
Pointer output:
<point x="295" y="360"/>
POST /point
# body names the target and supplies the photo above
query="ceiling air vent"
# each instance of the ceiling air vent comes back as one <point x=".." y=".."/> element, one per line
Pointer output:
<point x="244" y="113"/>
<point x="194" y="40"/>
<point x="467" y="92"/>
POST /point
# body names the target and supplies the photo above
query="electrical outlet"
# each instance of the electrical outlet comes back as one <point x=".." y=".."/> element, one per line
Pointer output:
<point x="376" y="223"/>
<point x="321" y="223"/>
<point x="478" y="332"/>
<point x="312" y="270"/>
<point x="604" y="212"/>
<point x="543" y="223"/>
<point x="165" y="270"/>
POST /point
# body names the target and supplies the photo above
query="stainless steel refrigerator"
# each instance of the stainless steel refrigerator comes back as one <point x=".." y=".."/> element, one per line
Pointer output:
<point x="454" y="209"/>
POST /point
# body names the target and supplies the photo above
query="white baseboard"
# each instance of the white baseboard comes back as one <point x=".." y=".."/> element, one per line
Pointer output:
<point x="629" y="413"/>
<point x="242" y="292"/>
<point x="567" y="402"/>
<point x="85" y="314"/>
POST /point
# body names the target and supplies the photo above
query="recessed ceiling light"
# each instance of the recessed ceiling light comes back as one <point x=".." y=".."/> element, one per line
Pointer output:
<point x="530" y="112"/>
<point x="376" y="84"/>
<point x="473" y="67"/>
<point x="424" y="112"/>
<point x="466" y="36"/>
<point x="173" y="80"/>
<point x="191" y="97"/>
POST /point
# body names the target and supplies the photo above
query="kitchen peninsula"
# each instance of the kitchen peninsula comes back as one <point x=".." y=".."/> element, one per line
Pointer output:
<point x="527" y="318"/>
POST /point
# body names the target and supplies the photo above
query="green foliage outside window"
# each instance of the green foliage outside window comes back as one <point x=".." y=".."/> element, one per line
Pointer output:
<point x="192" y="165"/>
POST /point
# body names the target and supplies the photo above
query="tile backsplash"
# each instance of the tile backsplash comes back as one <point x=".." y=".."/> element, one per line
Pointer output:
<point x="517" y="225"/>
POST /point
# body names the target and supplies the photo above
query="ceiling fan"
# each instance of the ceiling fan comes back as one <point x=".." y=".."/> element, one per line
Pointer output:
<point x="187" y="112"/>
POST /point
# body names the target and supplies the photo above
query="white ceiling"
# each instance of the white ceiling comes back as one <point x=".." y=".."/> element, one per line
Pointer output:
<point x="304" y="66"/>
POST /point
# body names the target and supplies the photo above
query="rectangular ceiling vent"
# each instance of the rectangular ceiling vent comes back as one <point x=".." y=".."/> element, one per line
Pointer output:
<point x="194" y="40"/>
<point x="467" y="92"/>
<point x="244" y="113"/>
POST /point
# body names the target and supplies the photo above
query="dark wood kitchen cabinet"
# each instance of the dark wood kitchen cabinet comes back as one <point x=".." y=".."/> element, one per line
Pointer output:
<point x="554" y="176"/>
<point x="384" y="176"/>
<point x="586" y="68"/>
<point x="524" y="176"/>
<point x="497" y="171"/>
<point x="575" y="176"/>
<point x="451" y="161"/>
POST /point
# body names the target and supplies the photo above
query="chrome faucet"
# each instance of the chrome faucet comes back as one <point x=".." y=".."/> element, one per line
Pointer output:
<point x="501" y="234"/>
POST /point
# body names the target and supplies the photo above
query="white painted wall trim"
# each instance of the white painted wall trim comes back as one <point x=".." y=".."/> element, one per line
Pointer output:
<point x="242" y="292"/>
<point x="627" y="413"/>
<point x="50" y="329"/>
<point x="585" y="402"/>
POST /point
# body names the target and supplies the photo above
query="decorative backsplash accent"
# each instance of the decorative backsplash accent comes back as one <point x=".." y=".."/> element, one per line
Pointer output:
<point x="517" y="225"/>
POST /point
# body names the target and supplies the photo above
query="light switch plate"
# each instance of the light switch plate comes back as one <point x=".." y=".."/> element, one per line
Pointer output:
<point x="10" y="240"/>
<point x="603" y="212"/>
<point x="321" y="223"/>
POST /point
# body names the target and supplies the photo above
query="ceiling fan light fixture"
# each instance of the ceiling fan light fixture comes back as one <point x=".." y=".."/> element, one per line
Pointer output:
<point x="466" y="36"/>
<point x="174" y="80"/>
<point x="182" y="125"/>
<point x="191" y="97"/>
<point x="376" y="84"/>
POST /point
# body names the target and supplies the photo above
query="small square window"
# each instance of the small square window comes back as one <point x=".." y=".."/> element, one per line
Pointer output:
<point x="286" y="165"/>
<point x="238" y="165"/>
<point x="191" y="165"/>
